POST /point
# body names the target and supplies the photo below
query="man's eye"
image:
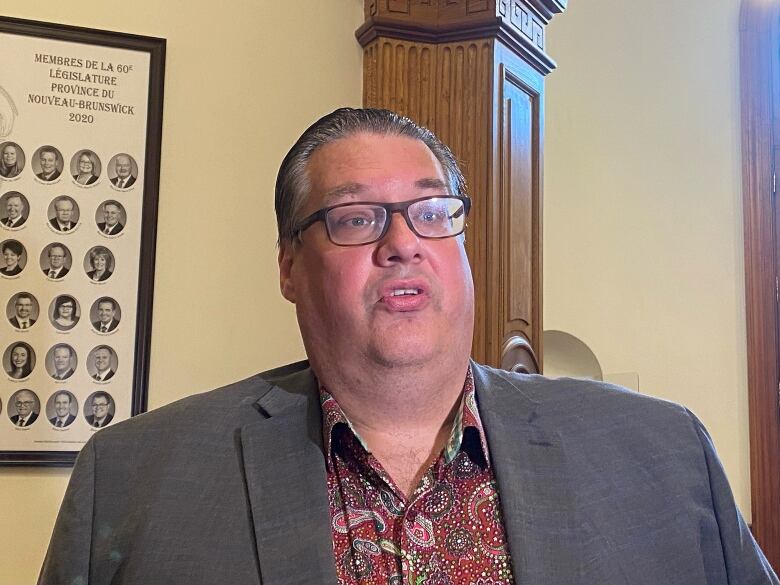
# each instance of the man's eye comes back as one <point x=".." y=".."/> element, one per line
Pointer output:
<point x="355" y="221"/>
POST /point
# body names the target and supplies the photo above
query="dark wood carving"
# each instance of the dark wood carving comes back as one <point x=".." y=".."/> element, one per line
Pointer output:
<point x="760" y="72"/>
<point x="473" y="71"/>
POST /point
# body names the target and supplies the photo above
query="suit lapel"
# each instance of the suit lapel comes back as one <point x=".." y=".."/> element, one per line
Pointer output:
<point x="286" y="485"/>
<point x="542" y="519"/>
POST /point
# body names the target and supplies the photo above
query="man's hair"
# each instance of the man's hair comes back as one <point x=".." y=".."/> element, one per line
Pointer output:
<point x="292" y="182"/>
<point x="111" y="202"/>
<point x="16" y="195"/>
<point x="62" y="199"/>
<point x="23" y="295"/>
<point x="57" y="245"/>
<point x="99" y="347"/>
<point x="63" y="393"/>
<point x="63" y="346"/>
<point x="109" y="300"/>
<point x="50" y="149"/>
<point x="101" y="394"/>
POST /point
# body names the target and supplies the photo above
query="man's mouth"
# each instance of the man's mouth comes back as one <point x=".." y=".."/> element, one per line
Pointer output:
<point x="399" y="292"/>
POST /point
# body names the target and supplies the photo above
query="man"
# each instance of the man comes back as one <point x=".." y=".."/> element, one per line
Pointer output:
<point x="26" y="409"/>
<point x="106" y="312"/>
<point x="390" y="457"/>
<point x="63" y="416"/>
<point x="100" y="416"/>
<point x="57" y="255"/>
<point x="102" y="356"/>
<point x="15" y="211"/>
<point x="124" y="177"/>
<point x="63" y="220"/>
<point x="49" y="158"/>
<point x="23" y="307"/>
<point x="62" y="359"/>
<point x="111" y="225"/>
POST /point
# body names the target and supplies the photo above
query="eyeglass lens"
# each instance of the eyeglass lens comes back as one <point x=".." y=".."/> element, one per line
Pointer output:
<point x="360" y="223"/>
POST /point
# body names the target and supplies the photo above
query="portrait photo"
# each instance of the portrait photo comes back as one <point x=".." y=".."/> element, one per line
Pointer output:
<point x="61" y="361"/>
<point x="102" y="363"/>
<point x="110" y="218"/>
<point x="63" y="214"/>
<point x="99" y="409"/>
<point x="99" y="264"/>
<point x="22" y="310"/>
<point x="11" y="160"/>
<point x="19" y="360"/>
<point x="47" y="163"/>
<point x="85" y="168"/>
<point x="122" y="171"/>
<point x="62" y="408"/>
<point x="23" y="408"/>
<point x="105" y="315"/>
<point x="14" y="210"/>
<point x="56" y="261"/>
<point x="14" y="258"/>
<point x="64" y="312"/>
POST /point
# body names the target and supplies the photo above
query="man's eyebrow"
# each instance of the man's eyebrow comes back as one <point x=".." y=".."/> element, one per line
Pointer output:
<point x="430" y="183"/>
<point x="344" y="190"/>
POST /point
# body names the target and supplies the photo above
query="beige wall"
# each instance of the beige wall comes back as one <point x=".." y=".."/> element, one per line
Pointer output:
<point x="643" y="219"/>
<point x="243" y="79"/>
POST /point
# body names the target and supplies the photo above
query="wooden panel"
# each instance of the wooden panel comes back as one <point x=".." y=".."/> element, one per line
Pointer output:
<point x="759" y="70"/>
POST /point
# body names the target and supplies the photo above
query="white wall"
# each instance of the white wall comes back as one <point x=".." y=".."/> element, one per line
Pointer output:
<point x="243" y="79"/>
<point x="643" y="218"/>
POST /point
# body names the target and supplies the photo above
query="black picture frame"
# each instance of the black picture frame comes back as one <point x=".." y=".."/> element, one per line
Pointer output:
<point x="93" y="40"/>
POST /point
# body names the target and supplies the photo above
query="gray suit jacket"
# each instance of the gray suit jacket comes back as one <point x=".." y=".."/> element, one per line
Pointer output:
<point x="598" y="486"/>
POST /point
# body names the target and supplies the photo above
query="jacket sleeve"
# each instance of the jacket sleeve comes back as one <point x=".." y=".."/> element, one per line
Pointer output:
<point x="67" y="561"/>
<point x="745" y="563"/>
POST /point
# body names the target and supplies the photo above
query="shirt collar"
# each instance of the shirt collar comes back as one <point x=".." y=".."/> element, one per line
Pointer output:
<point x="467" y="432"/>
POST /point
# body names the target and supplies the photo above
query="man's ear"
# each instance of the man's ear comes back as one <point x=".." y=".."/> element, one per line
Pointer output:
<point x="286" y="255"/>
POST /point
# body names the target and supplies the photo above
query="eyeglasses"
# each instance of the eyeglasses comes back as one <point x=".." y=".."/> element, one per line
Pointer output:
<point x="360" y="223"/>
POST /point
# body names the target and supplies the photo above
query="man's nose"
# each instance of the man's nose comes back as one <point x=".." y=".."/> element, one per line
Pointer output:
<point x="400" y="244"/>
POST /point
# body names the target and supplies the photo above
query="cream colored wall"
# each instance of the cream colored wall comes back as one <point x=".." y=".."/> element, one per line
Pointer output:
<point x="243" y="79"/>
<point x="643" y="219"/>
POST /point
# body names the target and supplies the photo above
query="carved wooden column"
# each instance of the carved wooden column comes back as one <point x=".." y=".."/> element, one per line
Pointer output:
<point x="473" y="72"/>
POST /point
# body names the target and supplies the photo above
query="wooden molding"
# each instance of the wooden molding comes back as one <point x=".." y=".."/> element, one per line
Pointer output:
<point x="759" y="45"/>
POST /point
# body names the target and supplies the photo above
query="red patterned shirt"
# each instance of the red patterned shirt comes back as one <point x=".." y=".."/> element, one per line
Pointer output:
<point x="450" y="531"/>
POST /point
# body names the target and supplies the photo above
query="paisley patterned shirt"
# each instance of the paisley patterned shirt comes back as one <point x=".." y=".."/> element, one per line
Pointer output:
<point x="449" y="532"/>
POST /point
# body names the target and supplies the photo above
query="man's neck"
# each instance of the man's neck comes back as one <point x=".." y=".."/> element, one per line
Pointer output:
<point x="404" y="415"/>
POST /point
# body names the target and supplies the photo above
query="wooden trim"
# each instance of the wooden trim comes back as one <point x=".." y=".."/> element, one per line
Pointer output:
<point x="759" y="44"/>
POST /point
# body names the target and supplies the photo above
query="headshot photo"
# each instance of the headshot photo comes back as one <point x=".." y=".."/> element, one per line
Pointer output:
<point x="14" y="210"/>
<point x="14" y="258"/>
<point x="62" y="409"/>
<point x="63" y="213"/>
<point x="99" y="264"/>
<point x="85" y="167"/>
<point x="99" y="409"/>
<point x="102" y="363"/>
<point x="61" y="361"/>
<point x="110" y="217"/>
<point x="19" y="360"/>
<point x="64" y="312"/>
<point x="11" y="160"/>
<point x="105" y="315"/>
<point x="122" y="171"/>
<point x="47" y="163"/>
<point x="23" y="408"/>
<point x="22" y="310"/>
<point x="56" y="261"/>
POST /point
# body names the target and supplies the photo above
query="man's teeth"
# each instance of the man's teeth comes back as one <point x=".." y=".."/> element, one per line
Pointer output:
<point x="404" y="291"/>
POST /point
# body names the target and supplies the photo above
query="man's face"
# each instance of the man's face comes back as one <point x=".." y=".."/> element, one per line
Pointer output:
<point x="25" y="402"/>
<point x="64" y="209"/>
<point x="62" y="359"/>
<point x="100" y="407"/>
<point x="102" y="360"/>
<point x="123" y="166"/>
<point x="56" y="257"/>
<point x="23" y="307"/>
<point x="346" y="296"/>
<point x="105" y="312"/>
<point x="9" y="155"/>
<point x="62" y="405"/>
<point x="48" y="162"/>
<point x="110" y="214"/>
<point x="14" y="207"/>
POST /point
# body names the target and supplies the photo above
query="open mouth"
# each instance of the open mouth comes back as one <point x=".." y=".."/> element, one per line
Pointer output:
<point x="400" y="292"/>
